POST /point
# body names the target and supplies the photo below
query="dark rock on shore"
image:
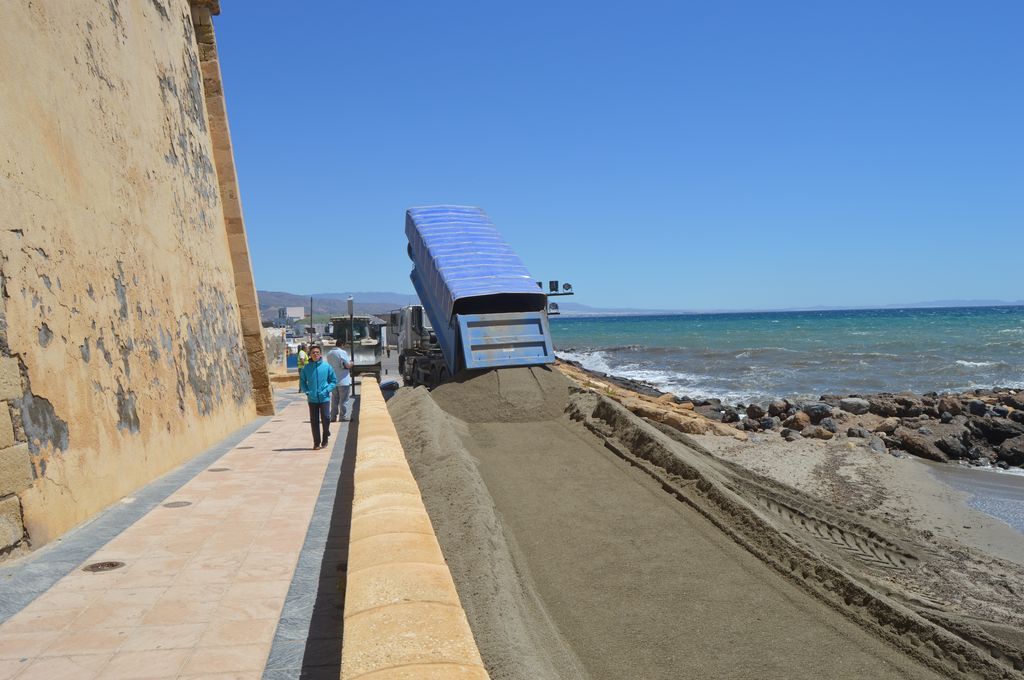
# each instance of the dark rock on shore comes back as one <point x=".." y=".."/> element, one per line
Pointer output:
<point x="855" y="405"/>
<point x="1011" y="451"/>
<point x="755" y="411"/>
<point x="816" y="432"/>
<point x="816" y="411"/>
<point x="798" y="421"/>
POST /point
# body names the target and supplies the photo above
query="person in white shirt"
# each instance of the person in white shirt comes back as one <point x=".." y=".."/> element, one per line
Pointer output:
<point x="340" y="362"/>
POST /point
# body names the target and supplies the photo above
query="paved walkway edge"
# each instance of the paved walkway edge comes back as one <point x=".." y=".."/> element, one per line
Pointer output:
<point x="403" y="617"/>
<point x="29" y="577"/>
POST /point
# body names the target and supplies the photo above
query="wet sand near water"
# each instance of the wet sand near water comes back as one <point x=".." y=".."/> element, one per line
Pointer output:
<point x="997" y="494"/>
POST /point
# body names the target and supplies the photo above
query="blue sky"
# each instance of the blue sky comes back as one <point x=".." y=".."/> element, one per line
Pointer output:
<point x="675" y="155"/>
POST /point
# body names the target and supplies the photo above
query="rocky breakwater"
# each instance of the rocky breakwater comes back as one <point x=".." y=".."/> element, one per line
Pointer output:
<point x="980" y="427"/>
<point x="662" y="408"/>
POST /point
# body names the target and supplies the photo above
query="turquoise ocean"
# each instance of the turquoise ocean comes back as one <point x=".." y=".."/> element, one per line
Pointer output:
<point x="744" y="357"/>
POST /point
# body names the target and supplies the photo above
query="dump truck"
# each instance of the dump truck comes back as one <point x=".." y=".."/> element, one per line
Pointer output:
<point x="361" y="338"/>
<point x="484" y="309"/>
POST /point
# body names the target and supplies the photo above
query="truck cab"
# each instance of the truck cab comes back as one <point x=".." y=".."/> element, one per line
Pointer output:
<point x="361" y="338"/>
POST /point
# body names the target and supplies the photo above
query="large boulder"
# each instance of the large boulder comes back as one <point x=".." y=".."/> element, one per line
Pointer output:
<point x="949" y="404"/>
<point x="888" y="425"/>
<point x="830" y="425"/>
<point x="1011" y="451"/>
<point x="789" y="435"/>
<point x="1015" y="400"/>
<point x="729" y="415"/>
<point x="977" y="407"/>
<point x="903" y="405"/>
<point x="816" y="432"/>
<point x="920" y="445"/>
<point x="778" y="408"/>
<point x="854" y="405"/>
<point x="755" y="411"/>
<point x="952" y="446"/>
<point x="798" y="421"/>
<point x="816" y="411"/>
<point x="995" y="430"/>
<point x="858" y="433"/>
<point x="770" y="423"/>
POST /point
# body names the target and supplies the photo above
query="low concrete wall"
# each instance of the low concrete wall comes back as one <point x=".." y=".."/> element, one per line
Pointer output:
<point x="403" y="618"/>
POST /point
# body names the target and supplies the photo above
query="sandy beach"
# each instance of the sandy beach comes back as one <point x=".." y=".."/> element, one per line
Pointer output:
<point x="587" y="542"/>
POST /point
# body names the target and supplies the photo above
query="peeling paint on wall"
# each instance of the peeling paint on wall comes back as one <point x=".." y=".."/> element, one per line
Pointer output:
<point x="112" y="245"/>
<point x="42" y="426"/>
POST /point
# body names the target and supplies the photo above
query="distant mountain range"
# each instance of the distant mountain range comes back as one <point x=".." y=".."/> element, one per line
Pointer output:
<point x="378" y="303"/>
<point x="335" y="304"/>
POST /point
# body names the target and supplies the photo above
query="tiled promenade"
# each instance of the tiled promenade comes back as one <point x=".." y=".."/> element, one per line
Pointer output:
<point x="233" y="568"/>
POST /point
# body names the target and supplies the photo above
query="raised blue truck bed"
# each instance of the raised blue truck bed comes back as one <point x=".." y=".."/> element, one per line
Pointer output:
<point x="484" y="306"/>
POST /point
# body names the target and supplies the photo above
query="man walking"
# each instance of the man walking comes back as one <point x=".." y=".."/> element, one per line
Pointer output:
<point x="301" y="360"/>
<point x="340" y="362"/>
<point x="318" y="381"/>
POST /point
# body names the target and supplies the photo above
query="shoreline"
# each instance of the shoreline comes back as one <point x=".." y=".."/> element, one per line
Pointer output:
<point x="983" y="428"/>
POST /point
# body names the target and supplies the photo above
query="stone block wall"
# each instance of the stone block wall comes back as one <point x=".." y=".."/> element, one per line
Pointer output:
<point x="126" y="341"/>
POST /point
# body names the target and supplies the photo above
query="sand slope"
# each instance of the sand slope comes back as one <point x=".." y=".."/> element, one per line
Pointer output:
<point x="587" y="543"/>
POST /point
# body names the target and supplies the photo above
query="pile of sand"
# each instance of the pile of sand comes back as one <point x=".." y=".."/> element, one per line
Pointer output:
<point x="511" y="395"/>
<point x="588" y="543"/>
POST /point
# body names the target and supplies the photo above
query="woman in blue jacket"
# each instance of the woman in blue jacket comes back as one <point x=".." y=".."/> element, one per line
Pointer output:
<point x="317" y="380"/>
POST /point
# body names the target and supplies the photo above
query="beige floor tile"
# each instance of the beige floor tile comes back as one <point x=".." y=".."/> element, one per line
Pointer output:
<point x="11" y="667"/>
<point x="40" y="621"/>
<point x="79" y="580"/>
<point x="163" y="663"/>
<point x="19" y="645"/>
<point x="245" y="608"/>
<point x="256" y="568"/>
<point x="95" y="641"/>
<point x="180" y="636"/>
<point x="78" y="667"/>
<point x="176" y="612"/>
<point x="62" y="601"/>
<point x="198" y="577"/>
<point x="227" y="659"/>
<point x="239" y="632"/>
<point x="133" y="596"/>
<point x="258" y="589"/>
<point x="109" y="616"/>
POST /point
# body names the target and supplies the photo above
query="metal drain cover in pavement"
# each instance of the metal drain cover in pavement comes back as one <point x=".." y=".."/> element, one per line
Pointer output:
<point x="219" y="469"/>
<point x="102" y="566"/>
<point x="177" y="504"/>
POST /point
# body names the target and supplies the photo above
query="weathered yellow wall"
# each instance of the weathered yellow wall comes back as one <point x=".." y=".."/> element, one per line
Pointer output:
<point x="119" y="299"/>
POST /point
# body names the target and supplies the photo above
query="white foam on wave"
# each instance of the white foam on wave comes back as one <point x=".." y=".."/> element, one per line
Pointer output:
<point x="592" y="361"/>
<point x="1015" y="331"/>
<point x="678" y="383"/>
<point x="976" y="364"/>
<point x="992" y="468"/>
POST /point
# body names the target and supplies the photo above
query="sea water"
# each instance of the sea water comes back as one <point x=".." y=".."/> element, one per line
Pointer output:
<point x="745" y="357"/>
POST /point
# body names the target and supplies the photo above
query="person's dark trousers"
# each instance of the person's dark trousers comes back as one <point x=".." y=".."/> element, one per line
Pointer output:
<point x="320" y="413"/>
